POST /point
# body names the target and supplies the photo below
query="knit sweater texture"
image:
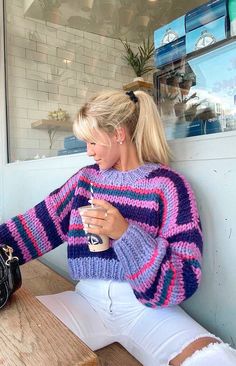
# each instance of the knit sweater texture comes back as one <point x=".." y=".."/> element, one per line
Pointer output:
<point x="160" y="252"/>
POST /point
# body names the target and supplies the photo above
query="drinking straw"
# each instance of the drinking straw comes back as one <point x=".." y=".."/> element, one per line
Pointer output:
<point x="91" y="194"/>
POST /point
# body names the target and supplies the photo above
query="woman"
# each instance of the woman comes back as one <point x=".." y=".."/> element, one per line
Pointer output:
<point x="130" y="292"/>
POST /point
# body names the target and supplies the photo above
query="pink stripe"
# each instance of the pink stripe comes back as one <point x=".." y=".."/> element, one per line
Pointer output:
<point x="198" y="273"/>
<point x="76" y="227"/>
<point x="121" y="188"/>
<point x="125" y="200"/>
<point x="146" y="227"/>
<point x="174" y="284"/>
<point x="193" y="204"/>
<point x="55" y="219"/>
<point x="64" y="192"/>
<point x="30" y="235"/>
<point x="64" y="212"/>
<point x="14" y="231"/>
<point x="176" y="229"/>
<point x="78" y="241"/>
<point x="186" y="250"/>
<point x="40" y="230"/>
<point x="84" y="193"/>
<point x="142" y="286"/>
<point x="145" y="267"/>
<point x="129" y="201"/>
<point x="170" y="214"/>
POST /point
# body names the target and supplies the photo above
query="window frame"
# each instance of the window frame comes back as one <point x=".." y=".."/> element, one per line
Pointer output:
<point x="3" y="101"/>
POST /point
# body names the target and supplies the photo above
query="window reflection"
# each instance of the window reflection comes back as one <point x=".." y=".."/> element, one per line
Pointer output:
<point x="198" y="96"/>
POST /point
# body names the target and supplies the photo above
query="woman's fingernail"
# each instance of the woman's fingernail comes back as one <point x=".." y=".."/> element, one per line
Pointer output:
<point x="90" y="201"/>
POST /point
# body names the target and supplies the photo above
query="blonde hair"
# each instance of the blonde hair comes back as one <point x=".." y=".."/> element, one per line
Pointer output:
<point x="110" y="110"/>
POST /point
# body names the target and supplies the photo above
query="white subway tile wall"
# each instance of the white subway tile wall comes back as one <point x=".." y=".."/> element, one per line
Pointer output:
<point x="51" y="66"/>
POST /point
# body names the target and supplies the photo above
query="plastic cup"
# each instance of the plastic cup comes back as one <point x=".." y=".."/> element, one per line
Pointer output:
<point x="96" y="243"/>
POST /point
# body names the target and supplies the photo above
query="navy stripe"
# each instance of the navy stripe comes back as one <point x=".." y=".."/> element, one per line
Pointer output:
<point x="190" y="236"/>
<point x="79" y="201"/>
<point x="7" y="238"/>
<point x="167" y="280"/>
<point x="141" y="214"/>
<point x="65" y="202"/>
<point x="94" y="166"/>
<point x="65" y="223"/>
<point x="150" y="292"/>
<point x="190" y="280"/>
<point x="118" y="192"/>
<point x="48" y="224"/>
<point x="25" y="238"/>
<point x="184" y="212"/>
<point x="82" y="251"/>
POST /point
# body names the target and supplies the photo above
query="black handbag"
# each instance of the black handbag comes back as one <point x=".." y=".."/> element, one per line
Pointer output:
<point x="10" y="276"/>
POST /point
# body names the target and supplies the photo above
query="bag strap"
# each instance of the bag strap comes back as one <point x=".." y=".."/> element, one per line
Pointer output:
<point x="8" y="252"/>
<point x="9" y="266"/>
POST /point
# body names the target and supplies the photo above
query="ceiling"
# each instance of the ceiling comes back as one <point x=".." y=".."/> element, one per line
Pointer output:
<point x="125" y="19"/>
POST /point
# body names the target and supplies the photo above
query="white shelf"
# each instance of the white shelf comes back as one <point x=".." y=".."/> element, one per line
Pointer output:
<point x="50" y="124"/>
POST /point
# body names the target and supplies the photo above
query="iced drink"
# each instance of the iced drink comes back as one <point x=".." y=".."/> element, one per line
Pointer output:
<point x="96" y="243"/>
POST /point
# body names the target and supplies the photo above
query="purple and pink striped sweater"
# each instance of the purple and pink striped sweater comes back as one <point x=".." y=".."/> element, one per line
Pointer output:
<point x="159" y="254"/>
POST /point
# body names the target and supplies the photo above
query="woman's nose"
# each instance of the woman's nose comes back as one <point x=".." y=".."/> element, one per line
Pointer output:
<point x="90" y="151"/>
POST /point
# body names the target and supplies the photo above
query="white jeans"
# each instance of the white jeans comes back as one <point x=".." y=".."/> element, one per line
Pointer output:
<point x="102" y="312"/>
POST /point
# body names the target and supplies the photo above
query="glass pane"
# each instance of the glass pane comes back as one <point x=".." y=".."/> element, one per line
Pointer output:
<point x="61" y="52"/>
<point x="198" y="96"/>
<point x="215" y="90"/>
<point x="52" y="68"/>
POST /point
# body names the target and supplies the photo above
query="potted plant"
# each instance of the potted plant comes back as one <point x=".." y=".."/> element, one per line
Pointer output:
<point x="139" y="60"/>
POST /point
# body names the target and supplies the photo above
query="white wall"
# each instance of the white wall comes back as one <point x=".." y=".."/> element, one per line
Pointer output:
<point x="209" y="162"/>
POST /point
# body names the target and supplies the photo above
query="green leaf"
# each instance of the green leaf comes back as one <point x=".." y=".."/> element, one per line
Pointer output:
<point x="138" y="61"/>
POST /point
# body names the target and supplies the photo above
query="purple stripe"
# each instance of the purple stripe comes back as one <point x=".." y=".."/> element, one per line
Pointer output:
<point x="55" y="234"/>
<point x="17" y="237"/>
<point x="37" y="231"/>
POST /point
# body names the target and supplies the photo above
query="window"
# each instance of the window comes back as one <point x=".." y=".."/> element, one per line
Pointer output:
<point x="52" y="68"/>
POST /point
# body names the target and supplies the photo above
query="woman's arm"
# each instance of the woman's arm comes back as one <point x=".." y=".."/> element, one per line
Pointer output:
<point x="165" y="270"/>
<point x="43" y="227"/>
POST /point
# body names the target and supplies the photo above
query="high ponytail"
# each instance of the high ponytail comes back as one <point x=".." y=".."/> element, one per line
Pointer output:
<point x="149" y="136"/>
<point x="112" y="109"/>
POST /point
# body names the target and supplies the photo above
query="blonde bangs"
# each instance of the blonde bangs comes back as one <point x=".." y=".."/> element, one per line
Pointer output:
<point x="83" y="128"/>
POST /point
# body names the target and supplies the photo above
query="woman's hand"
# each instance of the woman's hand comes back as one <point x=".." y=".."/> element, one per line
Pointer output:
<point x="108" y="221"/>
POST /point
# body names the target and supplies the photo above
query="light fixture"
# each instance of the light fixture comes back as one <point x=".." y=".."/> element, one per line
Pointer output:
<point x="66" y="61"/>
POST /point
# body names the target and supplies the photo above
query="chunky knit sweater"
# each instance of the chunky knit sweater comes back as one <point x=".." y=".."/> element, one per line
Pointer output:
<point x="159" y="254"/>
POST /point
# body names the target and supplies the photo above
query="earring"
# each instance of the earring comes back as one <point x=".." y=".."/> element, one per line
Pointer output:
<point x="120" y="142"/>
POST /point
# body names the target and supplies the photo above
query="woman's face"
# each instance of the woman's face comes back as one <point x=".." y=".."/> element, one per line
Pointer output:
<point x="106" y="151"/>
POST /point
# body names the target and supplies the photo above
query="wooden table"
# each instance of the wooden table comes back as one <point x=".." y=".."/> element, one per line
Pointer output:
<point x="30" y="334"/>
